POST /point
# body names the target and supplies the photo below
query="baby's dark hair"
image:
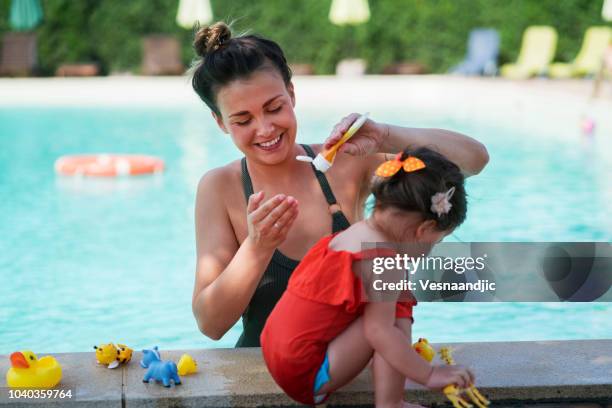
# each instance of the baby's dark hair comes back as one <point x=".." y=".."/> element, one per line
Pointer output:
<point x="413" y="191"/>
<point x="223" y="58"/>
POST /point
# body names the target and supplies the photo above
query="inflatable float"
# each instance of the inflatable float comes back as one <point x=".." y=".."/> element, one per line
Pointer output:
<point x="108" y="165"/>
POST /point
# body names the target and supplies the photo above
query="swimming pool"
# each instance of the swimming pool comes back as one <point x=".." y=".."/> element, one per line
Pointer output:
<point x="90" y="261"/>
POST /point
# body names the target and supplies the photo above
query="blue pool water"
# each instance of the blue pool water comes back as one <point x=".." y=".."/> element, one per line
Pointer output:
<point x="90" y="261"/>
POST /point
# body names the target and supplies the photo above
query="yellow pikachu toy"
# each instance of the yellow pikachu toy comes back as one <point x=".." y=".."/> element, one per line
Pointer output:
<point x="112" y="355"/>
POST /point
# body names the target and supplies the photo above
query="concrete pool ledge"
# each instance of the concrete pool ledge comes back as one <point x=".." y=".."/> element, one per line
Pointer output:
<point x="547" y="373"/>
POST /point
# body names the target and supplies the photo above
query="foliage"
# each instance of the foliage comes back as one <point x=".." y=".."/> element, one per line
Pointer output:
<point x="432" y="32"/>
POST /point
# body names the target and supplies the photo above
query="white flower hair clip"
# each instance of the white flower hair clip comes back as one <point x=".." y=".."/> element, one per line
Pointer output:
<point x="440" y="202"/>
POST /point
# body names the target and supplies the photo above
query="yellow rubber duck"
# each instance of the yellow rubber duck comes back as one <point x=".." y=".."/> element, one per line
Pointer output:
<point x="186" y="365"/>
<point x="28" y="371"/>
<point x="425" y="350"/>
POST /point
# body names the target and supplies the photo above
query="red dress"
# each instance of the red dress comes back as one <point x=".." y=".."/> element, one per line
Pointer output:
<point x="322" y="299"/>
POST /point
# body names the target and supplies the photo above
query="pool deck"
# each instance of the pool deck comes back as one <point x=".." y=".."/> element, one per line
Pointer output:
<point x="543" y="374"/>
<point x="312" y="90"/>
<point x="542" y="106"/>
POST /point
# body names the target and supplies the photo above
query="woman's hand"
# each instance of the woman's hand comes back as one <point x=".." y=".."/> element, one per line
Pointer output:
<point x="366" y="141"/>
<point x="441" y="376"/>
<point x="269" y="223"/>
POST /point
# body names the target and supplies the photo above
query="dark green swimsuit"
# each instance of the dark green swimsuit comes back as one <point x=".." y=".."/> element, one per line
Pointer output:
<point x="275" y="278"/>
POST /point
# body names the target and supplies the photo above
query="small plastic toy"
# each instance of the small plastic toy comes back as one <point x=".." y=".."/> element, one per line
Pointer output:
<point x="125" y="353"/>
<point x="452" y="392"/>
<point x="587" y="125"/>
<point x="187" y="365"/>
<point x="424" y="349"/>
<point x="159" y="370"/>
<point x="113" y="355"/>
<point x="325" y="159"/>
<point x="28" y="371"/>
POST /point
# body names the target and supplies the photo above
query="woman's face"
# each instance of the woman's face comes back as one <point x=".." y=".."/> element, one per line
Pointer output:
<point x="258" y="114"/>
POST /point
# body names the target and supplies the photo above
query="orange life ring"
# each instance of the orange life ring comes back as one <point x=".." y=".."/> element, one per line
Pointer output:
<point x="108" y="165"/>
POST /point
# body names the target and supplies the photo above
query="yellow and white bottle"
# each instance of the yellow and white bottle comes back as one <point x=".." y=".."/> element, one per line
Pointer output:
<point x="325" y="159"/>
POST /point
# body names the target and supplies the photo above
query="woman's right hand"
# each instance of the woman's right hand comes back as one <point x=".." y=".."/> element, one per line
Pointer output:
<point x="270" y="221"/>
<point x="441" y="376"/>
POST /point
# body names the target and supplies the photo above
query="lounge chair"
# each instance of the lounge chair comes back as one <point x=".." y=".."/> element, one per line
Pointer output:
<point x="19" y="54"/>
<point x="161" y="56"/>
<point x="537" y="51"/>
<point x="481" y="58"/>
<point x="589" y="59"/>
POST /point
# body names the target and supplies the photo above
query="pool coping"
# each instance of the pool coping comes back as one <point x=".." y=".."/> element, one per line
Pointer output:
<point x="509" y="373"/>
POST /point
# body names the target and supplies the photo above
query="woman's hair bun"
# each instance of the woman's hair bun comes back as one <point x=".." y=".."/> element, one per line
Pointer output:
<point x="211" y="38"/>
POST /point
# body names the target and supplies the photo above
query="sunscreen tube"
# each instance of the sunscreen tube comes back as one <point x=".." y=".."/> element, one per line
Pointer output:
<point x="325" y="159"/>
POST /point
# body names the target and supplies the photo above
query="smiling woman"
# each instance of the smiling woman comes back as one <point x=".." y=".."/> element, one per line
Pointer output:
<point x="276" y="125"/>
<point x="256" y="217"/>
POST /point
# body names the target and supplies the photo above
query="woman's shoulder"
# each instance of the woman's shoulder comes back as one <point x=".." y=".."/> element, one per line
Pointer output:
<point x="316" y="148"/>
<point x="222" y="174"/>
<point x="218" y="179"/>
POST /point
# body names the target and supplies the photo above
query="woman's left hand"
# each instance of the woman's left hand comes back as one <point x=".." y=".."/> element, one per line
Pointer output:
<point x="366" y="141"/>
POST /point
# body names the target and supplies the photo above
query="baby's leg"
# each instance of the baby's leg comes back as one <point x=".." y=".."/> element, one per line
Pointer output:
<point x="388" y="382"/>
<point x="348" y="354"/>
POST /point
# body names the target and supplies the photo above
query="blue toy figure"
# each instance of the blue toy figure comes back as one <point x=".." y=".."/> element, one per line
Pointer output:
<point x="159" y="370"/>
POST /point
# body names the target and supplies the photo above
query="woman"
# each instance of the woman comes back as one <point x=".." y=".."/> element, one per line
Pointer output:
<point x="256" y="217"/>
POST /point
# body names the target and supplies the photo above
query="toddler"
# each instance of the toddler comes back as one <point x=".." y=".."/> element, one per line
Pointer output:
<point x="325" y="329"/>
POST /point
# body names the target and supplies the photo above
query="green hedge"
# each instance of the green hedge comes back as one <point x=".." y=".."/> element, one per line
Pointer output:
<point x="433" y="32"/>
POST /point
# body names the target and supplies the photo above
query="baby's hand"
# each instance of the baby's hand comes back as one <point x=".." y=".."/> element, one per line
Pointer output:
<point x="441" y="376"/>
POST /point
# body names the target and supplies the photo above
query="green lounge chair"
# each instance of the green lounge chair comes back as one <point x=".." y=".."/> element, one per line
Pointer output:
<point x="537" y="51"/>
<point x="589" y="59"/>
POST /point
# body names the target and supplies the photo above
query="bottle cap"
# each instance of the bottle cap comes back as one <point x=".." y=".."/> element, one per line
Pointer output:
<point x="321" y="164"/>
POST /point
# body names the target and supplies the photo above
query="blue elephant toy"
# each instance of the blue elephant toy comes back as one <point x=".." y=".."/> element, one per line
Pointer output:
<point x="159" y="370"/>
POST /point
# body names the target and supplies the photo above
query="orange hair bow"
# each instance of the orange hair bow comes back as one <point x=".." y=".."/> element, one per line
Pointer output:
<point x="390" y="167"/>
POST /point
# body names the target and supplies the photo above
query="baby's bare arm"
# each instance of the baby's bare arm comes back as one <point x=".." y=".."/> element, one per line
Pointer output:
<point x="391" y="342"/>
